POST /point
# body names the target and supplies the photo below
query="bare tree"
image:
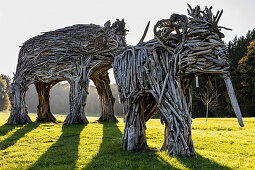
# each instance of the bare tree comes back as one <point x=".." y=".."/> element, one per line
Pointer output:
<point x="209" y="96"/>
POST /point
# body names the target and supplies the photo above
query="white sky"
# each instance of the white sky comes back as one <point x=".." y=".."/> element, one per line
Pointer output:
<point x="23" y="19"/>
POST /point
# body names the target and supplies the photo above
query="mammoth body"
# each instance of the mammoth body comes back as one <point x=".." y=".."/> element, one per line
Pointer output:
<point x="147" y="86"/>
<point x="74" y="54"/>
<point x="55" y="55"/>
<point x="156" y="77"/>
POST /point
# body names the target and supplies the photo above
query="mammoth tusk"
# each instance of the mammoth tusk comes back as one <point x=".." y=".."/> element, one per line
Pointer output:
<point x="144" y="33"/>
<point x="233" y="99"/>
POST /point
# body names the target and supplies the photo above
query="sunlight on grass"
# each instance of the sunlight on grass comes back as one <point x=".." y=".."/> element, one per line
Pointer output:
<point x="155" y="139"/>
<point x="220" y="144"/>
<point x="90" y="141"/>
<point x="27" y="143"/>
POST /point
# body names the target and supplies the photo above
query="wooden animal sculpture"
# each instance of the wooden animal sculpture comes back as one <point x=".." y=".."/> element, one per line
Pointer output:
<point x="74" y="54"/>
<point x="156" y="77"/>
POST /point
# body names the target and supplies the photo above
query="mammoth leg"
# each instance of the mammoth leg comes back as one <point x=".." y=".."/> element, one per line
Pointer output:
<point x="77" y="99"/>
<point x="19" y="113"/>
<point x="43" y="108"/>
<point x="102" y="83"/>
<point x="177" y="137"/>
<point x="134" y="137"/>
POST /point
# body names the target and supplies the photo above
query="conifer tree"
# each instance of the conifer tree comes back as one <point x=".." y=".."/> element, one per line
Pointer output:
<point x="246" y="71"/>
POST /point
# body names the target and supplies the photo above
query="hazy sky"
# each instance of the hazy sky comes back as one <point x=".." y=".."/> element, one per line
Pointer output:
<point x="23" y="19"/>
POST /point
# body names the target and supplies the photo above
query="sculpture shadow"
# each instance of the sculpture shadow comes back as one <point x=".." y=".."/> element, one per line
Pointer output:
<point x="12" y="139"/>
<point x="64" y="153"/>
<point x="4" y="129"/>
<point x="112" y="156"/>
<point x="200" y="163"/>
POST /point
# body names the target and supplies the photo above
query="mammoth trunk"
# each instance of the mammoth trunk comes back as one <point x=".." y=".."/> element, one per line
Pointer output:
<point x="233" y="99"/>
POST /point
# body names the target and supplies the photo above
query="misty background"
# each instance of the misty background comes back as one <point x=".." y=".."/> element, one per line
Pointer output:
<point x="59" y="100"/>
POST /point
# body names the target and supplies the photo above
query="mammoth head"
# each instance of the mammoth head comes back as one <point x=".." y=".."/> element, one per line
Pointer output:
<point x="117" y="31"/>
<point x="110" y="39"/>
<point x="197" y="47"/>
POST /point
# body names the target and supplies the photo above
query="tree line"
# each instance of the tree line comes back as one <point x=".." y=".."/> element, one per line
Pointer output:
<point x="210" y="98"/>
<point x="242" y="69"/>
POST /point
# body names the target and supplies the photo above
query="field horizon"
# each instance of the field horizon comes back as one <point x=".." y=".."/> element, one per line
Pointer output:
<point x="220" y="144"/>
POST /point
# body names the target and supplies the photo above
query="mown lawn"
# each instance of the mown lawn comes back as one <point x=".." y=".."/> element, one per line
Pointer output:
<point x="221" y="144"/>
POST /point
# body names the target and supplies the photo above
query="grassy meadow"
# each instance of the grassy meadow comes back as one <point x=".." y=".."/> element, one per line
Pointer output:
<point x="220" y="144"/>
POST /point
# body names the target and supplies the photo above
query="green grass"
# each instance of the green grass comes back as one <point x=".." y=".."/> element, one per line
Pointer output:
<point x="220" y="144"/>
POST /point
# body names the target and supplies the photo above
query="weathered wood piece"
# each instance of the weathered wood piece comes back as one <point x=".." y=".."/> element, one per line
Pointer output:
<point x="156" y="76"/>
<point x="75" y="54"/>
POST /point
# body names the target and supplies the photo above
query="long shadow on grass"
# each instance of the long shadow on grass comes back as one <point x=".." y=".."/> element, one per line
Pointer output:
<point x="11" y="140"/>
<point x="111" y="155"/>
<point x="64" y="153"/>
<point x="7" y="128"/>
<point x="200" y="163"/>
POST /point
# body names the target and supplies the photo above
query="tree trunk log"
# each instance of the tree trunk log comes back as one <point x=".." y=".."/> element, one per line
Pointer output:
<point x="102" y="83"/>
<point x="43" y="108"/>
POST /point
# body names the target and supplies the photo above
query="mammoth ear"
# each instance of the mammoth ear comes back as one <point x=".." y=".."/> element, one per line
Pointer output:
<point x="107" y="24"/>
<point x="120" y="24"/>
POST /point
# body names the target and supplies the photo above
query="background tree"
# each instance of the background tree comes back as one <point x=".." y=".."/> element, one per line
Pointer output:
<point x="246" y="72"/>
<point x="209" y="98"/>
<point x="237" y="48"/>
<point x="208" y="95"/>
<point x="4" y="91"/>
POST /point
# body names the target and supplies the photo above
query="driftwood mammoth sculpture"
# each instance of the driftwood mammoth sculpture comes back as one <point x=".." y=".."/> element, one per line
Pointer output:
<point x="74" y="54"/>
<point x="156" y="77"/>
<point x="152" y="77"/>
